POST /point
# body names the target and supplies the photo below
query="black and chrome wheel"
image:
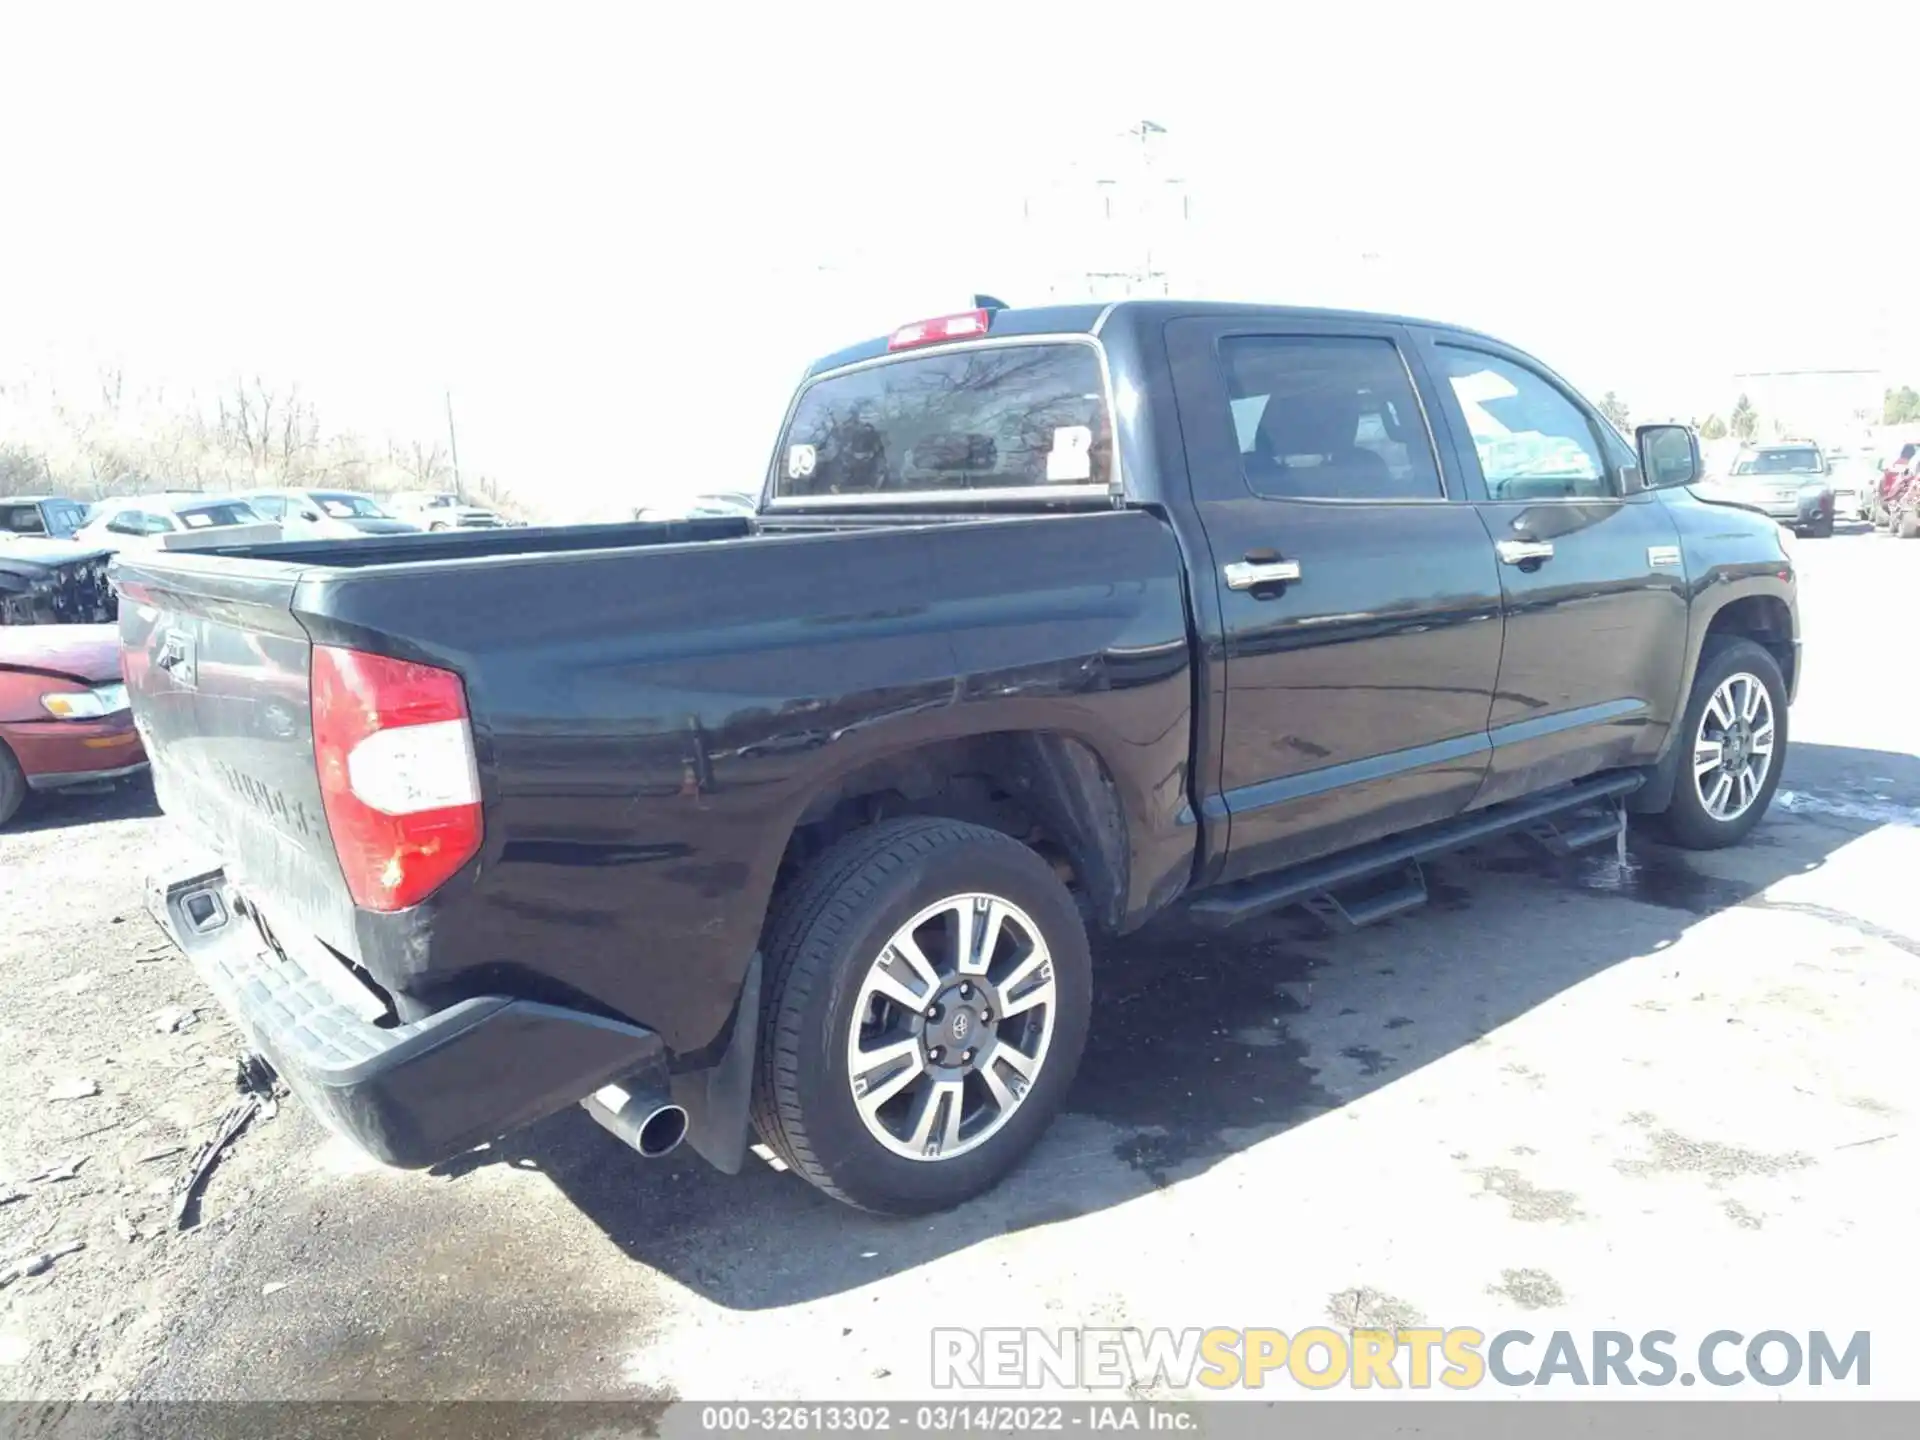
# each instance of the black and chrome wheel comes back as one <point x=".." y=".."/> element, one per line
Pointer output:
<point x="951" y="1026"/>
<point x="928" y="1002"/>
<point x="1735" y="734"/>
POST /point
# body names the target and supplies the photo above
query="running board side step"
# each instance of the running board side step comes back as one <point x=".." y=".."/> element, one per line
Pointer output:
<point x="1558" y="835"/>
<point x="1313" y="883"/>
<point x="1350" y="912"/>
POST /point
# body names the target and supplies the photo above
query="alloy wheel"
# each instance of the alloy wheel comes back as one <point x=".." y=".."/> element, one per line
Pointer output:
<point x="951" y="1026"/>
<point x="1733" y="748"/>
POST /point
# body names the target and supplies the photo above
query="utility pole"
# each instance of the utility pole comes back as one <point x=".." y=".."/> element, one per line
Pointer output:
<point x="1145" y="182"/>
<point x="453" y="444"/>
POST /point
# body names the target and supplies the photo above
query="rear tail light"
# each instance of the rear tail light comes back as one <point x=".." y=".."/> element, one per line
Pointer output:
<point x="394" y="748"/>
<point x="964" y="326"/>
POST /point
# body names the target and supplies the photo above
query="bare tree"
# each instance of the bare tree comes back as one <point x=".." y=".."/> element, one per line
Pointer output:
<point x="272" y="434"/>
<point x="112" y="435"/>
<point x="21" y="471"/>
<point x="425" y="466"/>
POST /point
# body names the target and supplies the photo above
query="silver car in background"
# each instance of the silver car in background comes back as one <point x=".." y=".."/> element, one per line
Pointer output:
<point x="443" y="510"/>
<point x="327" y="514"/>
<point x="174" y="520"/>
<point x="1788" y="481"/>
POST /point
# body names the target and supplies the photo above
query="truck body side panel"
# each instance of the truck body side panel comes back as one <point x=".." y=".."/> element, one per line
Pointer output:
<point x="651" y="724"/>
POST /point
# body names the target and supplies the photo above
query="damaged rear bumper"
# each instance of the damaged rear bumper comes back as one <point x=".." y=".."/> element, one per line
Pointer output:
<point x="410" y="1094"/>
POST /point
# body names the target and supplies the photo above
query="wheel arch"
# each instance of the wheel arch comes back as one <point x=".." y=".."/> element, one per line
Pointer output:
<point x="1048" y="788"/>
<point x="1762" y="615"/>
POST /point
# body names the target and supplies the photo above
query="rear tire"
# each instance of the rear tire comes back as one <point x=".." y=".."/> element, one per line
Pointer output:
<point x="13" y="785"/>
<point x="1702" y="815"/>
<point x="969" y="1093"/>
<point x="1907" y="526"/>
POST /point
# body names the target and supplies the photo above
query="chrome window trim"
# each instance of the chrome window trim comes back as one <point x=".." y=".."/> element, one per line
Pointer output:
<point x="895" y="499"/>
<point x="1112" y="492"/>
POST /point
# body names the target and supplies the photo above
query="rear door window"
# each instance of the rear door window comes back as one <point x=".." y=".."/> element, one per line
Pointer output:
<point x="984" y="418"/>
<point x="1328" y="418"/>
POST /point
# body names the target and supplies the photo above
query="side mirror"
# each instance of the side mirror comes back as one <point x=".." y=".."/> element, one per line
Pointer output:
<point x="309" y="514"/>
<point x="1669" y="455"/>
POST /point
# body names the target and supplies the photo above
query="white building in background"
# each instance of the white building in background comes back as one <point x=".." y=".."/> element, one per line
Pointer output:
<point x="1834" y="407"/>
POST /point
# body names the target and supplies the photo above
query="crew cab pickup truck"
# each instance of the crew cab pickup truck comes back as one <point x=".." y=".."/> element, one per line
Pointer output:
<point x="1048" y="620"/>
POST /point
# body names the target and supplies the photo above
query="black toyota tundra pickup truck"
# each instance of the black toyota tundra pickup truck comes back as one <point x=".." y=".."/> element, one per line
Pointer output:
<point x="1049" y="620"/>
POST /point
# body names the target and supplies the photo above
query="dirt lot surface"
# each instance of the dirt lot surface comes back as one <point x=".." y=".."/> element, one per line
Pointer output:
<point x="1677" y="1095"/>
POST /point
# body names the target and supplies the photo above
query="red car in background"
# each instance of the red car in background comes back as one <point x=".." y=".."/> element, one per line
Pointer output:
<point x="1895" y="481"/>
<point x="64" y="718"/>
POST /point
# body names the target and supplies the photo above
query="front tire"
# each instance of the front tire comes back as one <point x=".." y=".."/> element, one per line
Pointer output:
<point x="1733" y="741"/>
<point x="928" y="1003"/>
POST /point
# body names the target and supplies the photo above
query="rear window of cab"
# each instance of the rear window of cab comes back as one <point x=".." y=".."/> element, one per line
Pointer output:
<point x="977" y="418"/>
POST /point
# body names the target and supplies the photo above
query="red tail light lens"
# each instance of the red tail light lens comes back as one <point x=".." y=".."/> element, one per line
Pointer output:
<point x="394" y="747"/>
<point x="964" y="326"/>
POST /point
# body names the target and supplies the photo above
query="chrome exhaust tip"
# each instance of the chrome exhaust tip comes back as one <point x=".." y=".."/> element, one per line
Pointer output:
<point x="662" y="1131"/>
<point x="645" y="1120"/>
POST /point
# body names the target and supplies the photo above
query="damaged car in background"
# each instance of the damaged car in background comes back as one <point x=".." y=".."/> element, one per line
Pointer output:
<point x="64" y="718"/>
<point x="54" y="582"/>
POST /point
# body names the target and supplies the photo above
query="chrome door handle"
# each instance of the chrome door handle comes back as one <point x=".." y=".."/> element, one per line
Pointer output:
<point x="1518" y="552"/>
<point x="1247" y="574"/>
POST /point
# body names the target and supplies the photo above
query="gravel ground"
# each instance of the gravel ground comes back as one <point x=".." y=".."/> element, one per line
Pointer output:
<point x="1676" y="1095"/>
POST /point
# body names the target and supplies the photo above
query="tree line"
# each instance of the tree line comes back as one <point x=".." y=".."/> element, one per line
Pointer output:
<point x="1899" y="407"/>
<point x="255" y="434"/>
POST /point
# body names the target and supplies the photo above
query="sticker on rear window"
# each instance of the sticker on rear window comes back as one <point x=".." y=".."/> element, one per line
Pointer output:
<point x="800" y="461"/>
<point x="1072" y="455"/>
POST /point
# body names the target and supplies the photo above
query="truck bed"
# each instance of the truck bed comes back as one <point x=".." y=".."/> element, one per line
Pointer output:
<point x="653" y="706"/>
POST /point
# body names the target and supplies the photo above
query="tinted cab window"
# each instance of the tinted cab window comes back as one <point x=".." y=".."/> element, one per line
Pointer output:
<point x="1532" y="441"/>
<point x="1002" y="417"/>
<point x="1325" y="417"/>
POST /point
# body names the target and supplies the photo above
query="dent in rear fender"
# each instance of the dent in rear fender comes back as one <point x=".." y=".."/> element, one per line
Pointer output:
<point x="658" y="721"/>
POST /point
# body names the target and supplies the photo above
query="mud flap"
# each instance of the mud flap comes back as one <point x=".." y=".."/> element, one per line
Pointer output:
<point x="716" y="1099"/>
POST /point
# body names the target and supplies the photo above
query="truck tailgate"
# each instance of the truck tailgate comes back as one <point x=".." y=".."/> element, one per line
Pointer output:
<point x="217" y="670"/>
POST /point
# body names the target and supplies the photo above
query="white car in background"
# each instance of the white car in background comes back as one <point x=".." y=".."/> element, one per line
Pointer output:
<point x="174" y="520"/>
<point x="443" y="510"/>
<point x="327" y="514"/>
<point x="1854" y="480"/>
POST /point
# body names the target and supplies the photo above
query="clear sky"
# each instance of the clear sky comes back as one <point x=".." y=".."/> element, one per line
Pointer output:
<point x="615" y="233"/>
